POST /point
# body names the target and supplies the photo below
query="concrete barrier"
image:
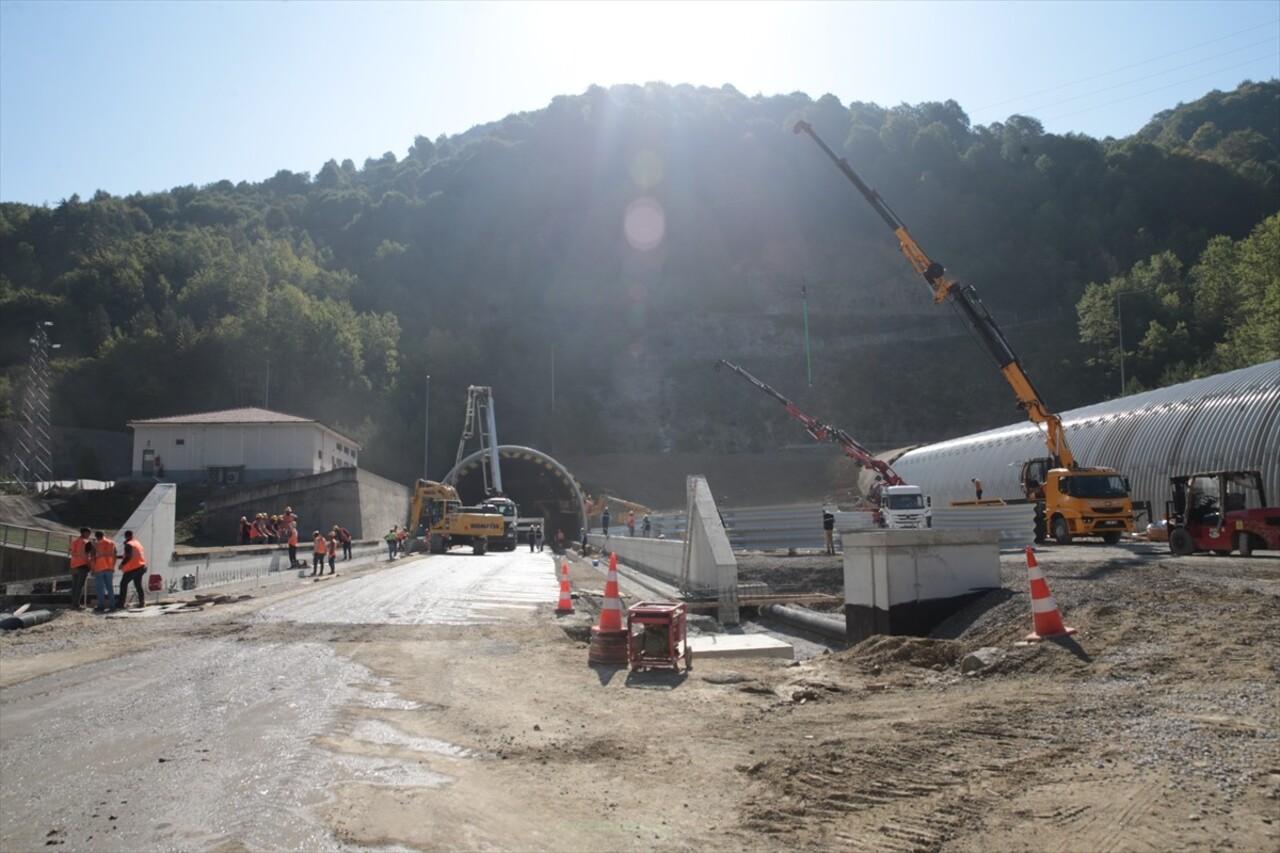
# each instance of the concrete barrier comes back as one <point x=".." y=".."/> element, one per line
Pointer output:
<point x="702" y="564"/>
<point x="906" y="581"/>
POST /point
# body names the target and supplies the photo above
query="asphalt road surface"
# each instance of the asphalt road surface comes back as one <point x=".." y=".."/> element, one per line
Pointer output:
<point x="211" y="743"/>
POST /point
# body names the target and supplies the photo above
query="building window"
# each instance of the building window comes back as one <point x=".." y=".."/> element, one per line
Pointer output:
<point x="181" y="441"/>
<point x="320" y="455"/>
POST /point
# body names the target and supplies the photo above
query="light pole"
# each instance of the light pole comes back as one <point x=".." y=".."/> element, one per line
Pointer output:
<point x="426" y="428"/>
<point x="1120" y="330"/>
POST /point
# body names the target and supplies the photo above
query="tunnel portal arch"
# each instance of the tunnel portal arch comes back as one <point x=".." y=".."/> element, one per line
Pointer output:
<point x="541" y="486"/>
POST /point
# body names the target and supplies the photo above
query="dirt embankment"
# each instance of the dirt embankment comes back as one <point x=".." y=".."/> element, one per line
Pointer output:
<point x="1156" y="727"/>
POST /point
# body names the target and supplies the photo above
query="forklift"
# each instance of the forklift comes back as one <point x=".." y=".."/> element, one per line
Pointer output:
<point x="1221" y="511"/>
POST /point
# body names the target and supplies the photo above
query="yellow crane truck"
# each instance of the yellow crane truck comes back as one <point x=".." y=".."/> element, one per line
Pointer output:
<point x="438" y="521"/>
<point x="1071" y="500"/>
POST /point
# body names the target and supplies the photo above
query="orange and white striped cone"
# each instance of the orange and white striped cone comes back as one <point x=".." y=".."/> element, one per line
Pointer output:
<point x="1044" y="610"/>
<point x="566" y="594"/>
<point x="609" y="638"/>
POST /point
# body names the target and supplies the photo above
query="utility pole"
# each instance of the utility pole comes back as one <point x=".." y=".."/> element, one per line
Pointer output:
<point x="1120" y="329"/>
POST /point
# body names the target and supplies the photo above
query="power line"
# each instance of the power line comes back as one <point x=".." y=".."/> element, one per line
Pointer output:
<point x="1179" y="52"/>
<point x="1159" y="74"/>
<point x="1160" y="88"/>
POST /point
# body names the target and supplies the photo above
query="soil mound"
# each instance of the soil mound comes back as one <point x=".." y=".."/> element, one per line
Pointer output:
<point x="913" y="651"/>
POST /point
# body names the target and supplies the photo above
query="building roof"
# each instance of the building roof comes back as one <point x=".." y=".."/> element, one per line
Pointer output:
<point x="238" y="417"/>
<point x="229" y="416"/>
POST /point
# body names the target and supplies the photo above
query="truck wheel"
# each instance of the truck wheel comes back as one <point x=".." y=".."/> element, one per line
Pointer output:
<point x="1061" y="532"/>
<point x="1244" y="544"/>
<point x="1180" y="542"/>
<point x="437" y="544"/>
<point x="1111" y="538"/>
<point x="479" y="547"/>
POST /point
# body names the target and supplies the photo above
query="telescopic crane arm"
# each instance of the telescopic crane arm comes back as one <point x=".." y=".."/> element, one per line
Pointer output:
<point x="824" y="432"/>
<point x="964" y="296"/>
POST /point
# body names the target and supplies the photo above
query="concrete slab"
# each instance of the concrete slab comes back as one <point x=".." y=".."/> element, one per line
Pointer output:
<point x="739" y="646"/>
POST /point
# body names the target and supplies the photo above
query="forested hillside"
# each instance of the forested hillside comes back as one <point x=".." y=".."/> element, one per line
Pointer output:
<point x="593" y="259"/>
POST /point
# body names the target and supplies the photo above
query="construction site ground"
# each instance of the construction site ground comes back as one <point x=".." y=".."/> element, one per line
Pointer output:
<point x="1156" y="727"/>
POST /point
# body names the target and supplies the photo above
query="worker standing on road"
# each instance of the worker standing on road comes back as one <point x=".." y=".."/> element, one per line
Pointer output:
<point x="133" y="564"/>
<point x="344" y="537"/>
<point x="828" y="529"/>
<point x="293" y="545"/>
<point x="318" y="549"/>
<point x="104" y="570"/>
<point x="533" y="537"/>
<point x="604" y="521"/>
<point x="977" y="487"/>
<point x="646" y="526"/>
<point x="332" y="547"/>
<point x="391" y="544"/>
<point x="81" y="557"/>
<point x="631" y="523"/>
<point x="538" y="534"/>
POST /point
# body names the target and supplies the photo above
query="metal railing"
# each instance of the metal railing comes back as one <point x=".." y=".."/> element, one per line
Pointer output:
<point x="48" y="541"/>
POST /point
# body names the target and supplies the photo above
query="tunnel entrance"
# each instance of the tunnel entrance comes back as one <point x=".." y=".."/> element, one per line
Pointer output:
<point x="540" y="485"/>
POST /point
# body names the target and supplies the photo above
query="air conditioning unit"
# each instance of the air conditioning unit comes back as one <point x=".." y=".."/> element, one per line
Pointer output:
<point x="231" y="477"/>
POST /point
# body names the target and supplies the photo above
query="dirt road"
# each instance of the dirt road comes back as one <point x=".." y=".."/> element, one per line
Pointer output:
<point x="352" y="714"/>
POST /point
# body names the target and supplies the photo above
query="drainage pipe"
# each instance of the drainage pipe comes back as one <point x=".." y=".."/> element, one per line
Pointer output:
<point x="25" y="620"/>
<point x="819" y="623"/>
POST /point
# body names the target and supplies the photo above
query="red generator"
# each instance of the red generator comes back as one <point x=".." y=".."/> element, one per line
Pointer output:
<point x="657" y="636"/>
<point x="1221" y="511"/>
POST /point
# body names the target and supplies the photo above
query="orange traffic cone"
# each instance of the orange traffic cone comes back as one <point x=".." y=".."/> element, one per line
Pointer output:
<point x="1044" y="610"/>
<point x="609" y="638"/>
<point x="566" y="595"/>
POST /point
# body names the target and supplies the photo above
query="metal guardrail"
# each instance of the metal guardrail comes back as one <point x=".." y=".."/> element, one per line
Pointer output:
<point x="48" y="541"/>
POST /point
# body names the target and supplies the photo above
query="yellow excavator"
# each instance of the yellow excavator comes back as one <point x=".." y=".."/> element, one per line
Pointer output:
<point x="438" y="521"/>
<point x="1070" y="500"/>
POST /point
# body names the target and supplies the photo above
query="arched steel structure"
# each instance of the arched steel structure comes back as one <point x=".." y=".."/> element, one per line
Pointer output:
<point x="1228" y="421"/>
<point x="541" y="486"/>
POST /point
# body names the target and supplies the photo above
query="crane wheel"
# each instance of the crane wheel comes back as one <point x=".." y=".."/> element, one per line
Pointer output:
<point x="1061" y="532"/>
<point x="1244" y="544"/>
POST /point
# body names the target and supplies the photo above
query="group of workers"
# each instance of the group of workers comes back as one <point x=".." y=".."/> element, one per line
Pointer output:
<point x="96" y="555"/>
<point x="646" y="526"/>
<point x="322" y="546"/>
<point x="266" y="529"/>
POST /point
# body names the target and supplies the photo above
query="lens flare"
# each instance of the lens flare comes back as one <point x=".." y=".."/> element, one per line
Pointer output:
<point x="644" y="224"/>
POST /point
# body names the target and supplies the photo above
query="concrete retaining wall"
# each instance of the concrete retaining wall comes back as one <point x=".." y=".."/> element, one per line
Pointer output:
<point x="364" y="503"/>
<point x="905" y="581"/>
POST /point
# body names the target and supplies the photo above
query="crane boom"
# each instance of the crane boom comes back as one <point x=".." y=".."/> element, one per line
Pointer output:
<point x="825" y="432"/>
<point x="966" y="298"/>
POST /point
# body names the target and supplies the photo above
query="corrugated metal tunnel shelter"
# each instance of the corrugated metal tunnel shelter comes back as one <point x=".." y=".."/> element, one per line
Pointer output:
<point x="1228" y="421"/>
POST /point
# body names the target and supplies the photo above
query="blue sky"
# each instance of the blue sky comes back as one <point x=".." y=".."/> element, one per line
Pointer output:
<point x="147" y="96"/>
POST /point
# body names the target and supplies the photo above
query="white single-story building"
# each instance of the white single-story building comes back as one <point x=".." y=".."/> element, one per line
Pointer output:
<point x="237" y="446"/>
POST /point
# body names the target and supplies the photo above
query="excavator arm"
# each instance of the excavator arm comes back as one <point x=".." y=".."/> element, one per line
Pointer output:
<point x="966" y="299"/>
<point x="824" y="432"/>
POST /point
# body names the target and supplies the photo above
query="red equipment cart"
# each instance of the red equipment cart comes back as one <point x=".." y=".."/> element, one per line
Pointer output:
<point x="657" y="636"/>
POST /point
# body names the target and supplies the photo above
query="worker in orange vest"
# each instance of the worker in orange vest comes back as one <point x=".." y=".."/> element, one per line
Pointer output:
<point x="103" y="568"/>
<point x="332" y="547"/>
<point x="133" y="563"/>
<point x="81" y="556"/>
<point x="317" y="555"/>
<point x="293" y="546"/>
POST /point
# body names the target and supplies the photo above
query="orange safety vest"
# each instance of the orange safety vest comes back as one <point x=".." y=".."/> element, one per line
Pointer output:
<point x="321" y="547"/>
<point x="104" y="555"/>
<point x="293" y="537"/>
<point x="79" y="559"/>
<point x="333" y="547"/>
<point x="137" y="558"/>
